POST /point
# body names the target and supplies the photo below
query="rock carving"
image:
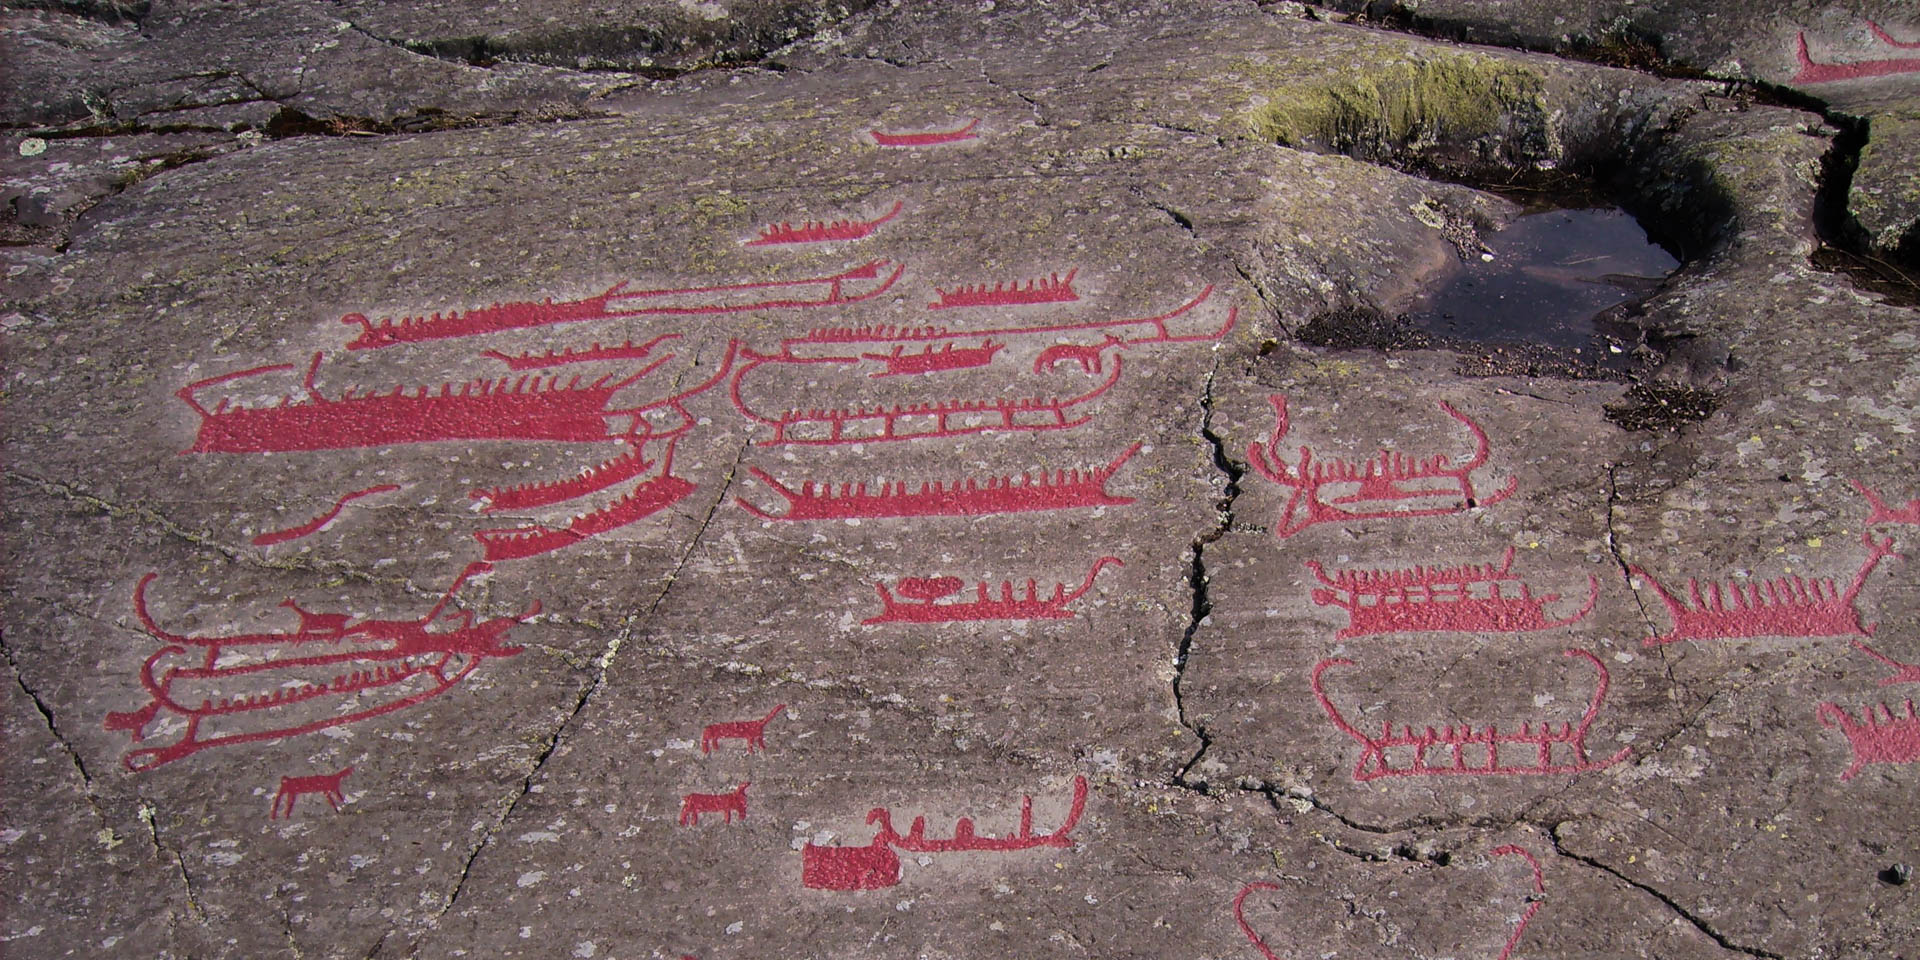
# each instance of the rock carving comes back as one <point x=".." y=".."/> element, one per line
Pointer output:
<point x="816" y="231"/>
<point x="327" y="785"/>
<point x="1063" y="490"/>
<point x="875" y="866"/>
<point x="918" y="596"/>
<point x="754" y="732"/>
<point x="386" y="665"/>
<point x="1787" y="607"/>
<point x="1440" y="600"/>
<point x="929" y="139"/>
<point x="1379" y="485"/>
<point x="694" y="804"/>
<point x="322" y="521"/>
<point x="1469" y="752"/>
<point x="1883" y="737"/>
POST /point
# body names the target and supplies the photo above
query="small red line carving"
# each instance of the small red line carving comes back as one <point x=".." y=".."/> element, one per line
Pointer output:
<point x="926" y="139"/>
<point x="676" y="301"/>
<point x="875" y="866"/>
<point x="1882" y="36"/>
<point x="1533" y="902"/>
<point x="1064" y="490"/>
<point x="625" y="351"/>
<point x="954" y="417"/>
<point x="1787" y="607"/>
<point x="1902" y="672"/>
<point x="320" y="522"/>
<point x="1506" y="951"/>
<point x="1883" y="737"/>
<point x="293" y="788"/>
<point x="402" y="657"/>
<point x="924" y="591"/>
<point x="1439" y="600"/>
<point x="1384" y="479"/>
<point x="928" y="360"/>
<point x="694" y="804"/>
<point x="754" y="732"/>
<point x="1811" y="72"/>
<point x="1455" y="742"/>
<point x="816" y="231"/>
<point x="1051" y="289"/>
<point x="1909" y="514"/>
<point x="531" y="408"/>
<point x="646" y="499"/>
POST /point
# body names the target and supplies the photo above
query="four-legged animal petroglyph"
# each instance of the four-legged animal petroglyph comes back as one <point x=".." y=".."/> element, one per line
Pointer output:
<point x="327" y="785"/>
<point x="754" y="732"/>
<point x="694" y="804"/>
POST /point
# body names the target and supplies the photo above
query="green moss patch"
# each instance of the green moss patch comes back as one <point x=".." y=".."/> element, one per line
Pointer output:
<point x="1407" y="105"/>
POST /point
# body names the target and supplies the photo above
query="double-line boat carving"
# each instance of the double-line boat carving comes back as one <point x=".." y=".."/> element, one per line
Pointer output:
<point x="913" y="351"/>
<point x="853" y="285"/>
<point x="265" y="686"/>
<point x="1465" y="751"/>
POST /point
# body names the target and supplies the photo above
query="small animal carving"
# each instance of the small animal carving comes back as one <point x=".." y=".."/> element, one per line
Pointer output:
<point x="695" y="804"/>
<point x="752" y="731"/>
<point x="292" y="788"/>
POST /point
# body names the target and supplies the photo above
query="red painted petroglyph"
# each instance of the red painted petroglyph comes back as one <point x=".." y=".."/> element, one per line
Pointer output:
<point x="627" y="350"/>
<point x="594" y="479"/>
<point x="1882" y="513"/>
<point x="1902" y="672"/>
<point x="673" y="301"/>
<point x="327" y="785"/>
<point x="320" y="522"/>
<point x="646" y="499"/>
<point x="930" y="139"/>
<point x="1440" y="600"/>
<point x="1882" y="36"/>
<point x="944" y="418"/>
<point x="1050" y="289"/>
<point x="1064" y="490"/>
<point x="872" y="867"/>
<point x="928" y="360"/>
<point x="947" y="349"/>
<point x="816" y="231"/>
<point x="1506" y="951"/>
<point x="530" y="408"/>
<point x="404" y="660"/>
<point x="694" y="804"/>
<point x="1456" y="742"/>
<point x="754" y="732"/>
<point x="918" y="596"/>
<point x="1386" y="479"/>
<point x="1812" y="72"/>
<point x="875" y="866"/>
<point x="1883" y="737"/>
<point x="1787" y="607"/>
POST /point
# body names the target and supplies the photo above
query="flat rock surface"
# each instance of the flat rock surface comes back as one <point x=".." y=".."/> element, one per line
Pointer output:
<point x="750" y="479"/>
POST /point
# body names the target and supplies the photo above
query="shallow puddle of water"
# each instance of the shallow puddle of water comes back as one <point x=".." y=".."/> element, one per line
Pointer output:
<point x="1549" y="274"/>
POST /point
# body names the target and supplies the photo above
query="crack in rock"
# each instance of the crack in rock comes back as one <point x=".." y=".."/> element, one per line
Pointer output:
<point x="1683" y="913"/>
<point x="1197" y="578"/>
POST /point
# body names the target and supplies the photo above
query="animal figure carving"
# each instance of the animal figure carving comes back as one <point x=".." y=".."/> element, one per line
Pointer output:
<point x="695" y="804"/>
<point x="1884" y="737"/>
<point x="1787" y="607"/>
<point x="327" y="785"/>
<point x="1388" y="485"/>
<point x="754" y="732"/>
